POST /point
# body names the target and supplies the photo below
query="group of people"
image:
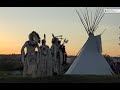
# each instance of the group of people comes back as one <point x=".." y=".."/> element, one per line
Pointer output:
<point x="45" y="61"/>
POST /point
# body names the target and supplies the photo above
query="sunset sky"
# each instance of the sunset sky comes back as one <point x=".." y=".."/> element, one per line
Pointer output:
<point x="17" y="22"/>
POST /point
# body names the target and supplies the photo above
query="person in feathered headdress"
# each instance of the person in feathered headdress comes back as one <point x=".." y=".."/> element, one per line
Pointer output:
<point x="57" y="55"/>
<point x="45" y="65"/>
<point x="30" y="59"/>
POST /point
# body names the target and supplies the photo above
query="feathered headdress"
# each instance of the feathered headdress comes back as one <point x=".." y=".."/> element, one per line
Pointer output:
<point x="54" y="39"/>
<point x="59" y="38"/>
<point x="35" y="36"/>
<point x="44" y="40"/>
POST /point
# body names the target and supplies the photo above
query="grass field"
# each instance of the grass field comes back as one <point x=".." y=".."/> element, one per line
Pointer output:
<point x="6" y="77"/>
<point x="10" y="63"/>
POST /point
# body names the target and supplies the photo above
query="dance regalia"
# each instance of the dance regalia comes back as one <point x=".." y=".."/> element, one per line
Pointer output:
<point x="45" y="63"/>
<point x="57" y="58"/>
<point x="62" y="47"/>
<point x="30" y="60"/>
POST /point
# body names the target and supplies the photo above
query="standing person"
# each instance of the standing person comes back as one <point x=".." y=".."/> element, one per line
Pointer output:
<point x="57" y="57"/>
<point x="45" y="63"/>
<point x="60" y="55"/>
<point x="30" y="59"/>
<point x="64" y="54"/>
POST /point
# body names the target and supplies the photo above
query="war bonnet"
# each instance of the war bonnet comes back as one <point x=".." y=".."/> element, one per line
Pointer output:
<point x="34" y="36"/>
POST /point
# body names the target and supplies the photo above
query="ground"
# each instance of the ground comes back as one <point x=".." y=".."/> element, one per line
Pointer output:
<point x="6" y="77"/>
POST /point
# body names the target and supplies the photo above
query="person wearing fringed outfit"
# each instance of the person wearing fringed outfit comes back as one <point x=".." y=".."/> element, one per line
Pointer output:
<point x="31" y="58"/>
<point x="57" y="56"/>
<point x="45" y="63"/>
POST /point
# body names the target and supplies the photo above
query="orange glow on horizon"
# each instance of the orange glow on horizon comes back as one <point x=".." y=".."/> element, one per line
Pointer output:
<point x="71" y="52"/>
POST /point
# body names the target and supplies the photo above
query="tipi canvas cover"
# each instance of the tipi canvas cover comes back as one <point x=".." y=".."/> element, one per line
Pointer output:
<point x="90" y="60"/>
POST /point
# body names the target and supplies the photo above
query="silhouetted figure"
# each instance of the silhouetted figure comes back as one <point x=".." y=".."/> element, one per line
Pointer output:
<point x="57" y="56"/>
<point x="31" y="58"/>
<point x="64" y="54"/>
<point x="45" y="63"/>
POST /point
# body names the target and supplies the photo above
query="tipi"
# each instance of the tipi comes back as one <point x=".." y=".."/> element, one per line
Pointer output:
<point x="89" y="60"/>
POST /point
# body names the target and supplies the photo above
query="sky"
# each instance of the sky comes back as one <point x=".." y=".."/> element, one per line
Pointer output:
<point x="17" y="22"/>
